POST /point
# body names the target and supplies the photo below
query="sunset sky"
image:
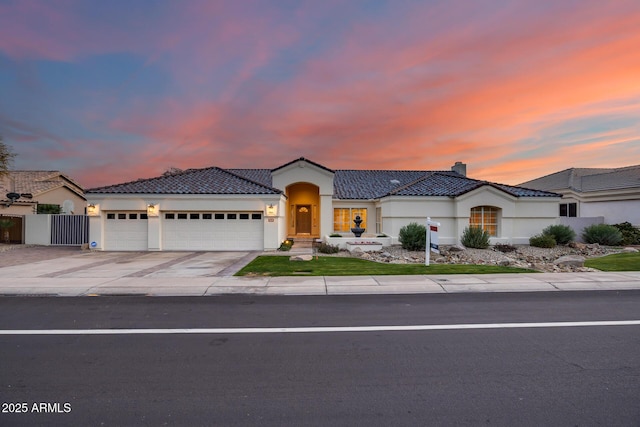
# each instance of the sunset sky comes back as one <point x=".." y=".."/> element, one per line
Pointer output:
<point x="111" y="91"/>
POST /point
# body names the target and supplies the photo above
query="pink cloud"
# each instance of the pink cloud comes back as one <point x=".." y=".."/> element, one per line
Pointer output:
<point x="424" y="87"/>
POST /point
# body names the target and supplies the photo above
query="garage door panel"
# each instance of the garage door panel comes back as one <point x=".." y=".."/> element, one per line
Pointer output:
<point x="224" y="233"/>
<point x="126" y="235"/>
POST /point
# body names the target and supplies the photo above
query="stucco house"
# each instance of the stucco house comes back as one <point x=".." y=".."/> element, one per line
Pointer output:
<point x="256" y="209"/>
<point x="610" y="195"/>
<point x="40" y="188"/>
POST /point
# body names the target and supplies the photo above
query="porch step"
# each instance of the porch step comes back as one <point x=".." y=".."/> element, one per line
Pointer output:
<point x="302" y="245"/>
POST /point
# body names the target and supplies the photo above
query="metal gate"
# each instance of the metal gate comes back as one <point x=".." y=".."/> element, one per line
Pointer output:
<point x="69" y="230"/>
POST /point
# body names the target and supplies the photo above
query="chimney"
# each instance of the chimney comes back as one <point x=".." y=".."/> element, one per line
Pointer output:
<point x="460" y="168"/>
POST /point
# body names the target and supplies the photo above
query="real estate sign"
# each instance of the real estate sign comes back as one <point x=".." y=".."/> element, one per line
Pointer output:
<point x="432" y="239"/>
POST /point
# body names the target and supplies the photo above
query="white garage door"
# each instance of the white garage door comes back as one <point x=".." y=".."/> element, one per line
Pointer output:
<point x="126" y="231"/>
<point x="212" y="231"/>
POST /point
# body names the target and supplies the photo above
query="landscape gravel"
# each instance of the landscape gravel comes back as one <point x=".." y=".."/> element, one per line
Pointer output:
<point x="522" y="256"/>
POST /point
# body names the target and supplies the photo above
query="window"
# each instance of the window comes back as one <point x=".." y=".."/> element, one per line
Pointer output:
<point x="256" y="216"/>
<point x="206" y="216"/>
<point x="144" y="216"/>
<point x="133" y="216"/>
<point x="169" y="216"/>
<point x="219" y="216"/>
<point x="485" y="217"/>
<point x="122" y="216"/>
<point x="244" y="216"/>
<point x="194" y="216"/>
<point x="182" y="216"/>
<point x="343" y="218"/>
<point x="111" y="216"/>
<point x="378" y="220"/>
<point x="569" y="209"/>
<point x="232" y="216"/>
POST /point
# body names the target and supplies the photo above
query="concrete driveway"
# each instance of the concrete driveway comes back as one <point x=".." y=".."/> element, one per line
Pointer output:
<point x="69" y="263"/>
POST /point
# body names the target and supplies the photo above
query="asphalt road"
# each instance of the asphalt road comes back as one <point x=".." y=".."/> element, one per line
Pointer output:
<point x="586" y="375"/>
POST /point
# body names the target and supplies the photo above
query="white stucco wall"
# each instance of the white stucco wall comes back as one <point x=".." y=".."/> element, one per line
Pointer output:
<point x="37" y="230"/>
<point x="520" y="218"/>
<point x="398" y="212"/>
<point x="614" y="212"/>
<point x="304" y="172"/>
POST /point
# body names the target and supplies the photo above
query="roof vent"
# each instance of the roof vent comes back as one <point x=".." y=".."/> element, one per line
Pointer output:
<point x="395" y="182"/>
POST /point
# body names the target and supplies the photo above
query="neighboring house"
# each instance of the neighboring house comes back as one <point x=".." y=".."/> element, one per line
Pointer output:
<point x="256" y="209"/>
<point x="609" y="194"/>
<point x="42" y="188"/>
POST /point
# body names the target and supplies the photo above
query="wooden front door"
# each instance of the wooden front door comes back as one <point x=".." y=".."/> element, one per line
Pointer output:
<point x="303" y="219"/>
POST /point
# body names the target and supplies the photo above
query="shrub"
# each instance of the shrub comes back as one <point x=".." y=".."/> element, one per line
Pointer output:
<point x="603" y="234"/>
<point x="630" y="234"/>
<point x="543" y="241"/>
<point x="335" y="235"/>
<point x="475" y="237"/>
<point x="413" y="237"/>
<point x="325" y="248"/>
<point x="562" y="233"/>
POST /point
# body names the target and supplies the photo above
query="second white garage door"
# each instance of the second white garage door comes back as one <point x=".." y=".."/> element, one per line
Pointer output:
<point x="212" y="231"/>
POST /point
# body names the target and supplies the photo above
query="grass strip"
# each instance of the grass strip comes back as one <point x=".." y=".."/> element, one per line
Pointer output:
<point x="616" y="262"/>
<point x="270" y="265"/>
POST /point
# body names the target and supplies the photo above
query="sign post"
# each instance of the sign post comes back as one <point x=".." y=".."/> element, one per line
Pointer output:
<point x="432" y="240"/>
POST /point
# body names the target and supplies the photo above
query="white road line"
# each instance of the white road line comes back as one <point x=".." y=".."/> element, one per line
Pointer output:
<point x="316" y="329"/>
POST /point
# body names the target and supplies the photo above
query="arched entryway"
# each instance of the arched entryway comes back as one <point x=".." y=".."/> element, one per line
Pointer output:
<point x="303" y="210"/>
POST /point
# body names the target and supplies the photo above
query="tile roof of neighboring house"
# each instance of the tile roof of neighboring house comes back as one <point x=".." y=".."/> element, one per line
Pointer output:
<point x="211" y="180"/>
<point x="36" y="183"/>
<point x="584" y="180"/>
<point x="347" y="184"/>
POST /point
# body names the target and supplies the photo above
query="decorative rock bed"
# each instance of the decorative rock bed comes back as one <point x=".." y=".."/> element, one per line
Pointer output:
<point x="523" y="256"/>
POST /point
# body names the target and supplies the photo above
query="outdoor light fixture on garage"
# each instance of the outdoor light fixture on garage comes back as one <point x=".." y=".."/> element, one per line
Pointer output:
<point x="272" y="210"/>
<point x="152" y="209"/>
<point x="93" y="210"/>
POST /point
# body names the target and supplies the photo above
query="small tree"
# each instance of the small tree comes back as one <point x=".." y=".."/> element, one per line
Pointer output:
<point x="6" y="158"/>
<point x="413" y="237"/>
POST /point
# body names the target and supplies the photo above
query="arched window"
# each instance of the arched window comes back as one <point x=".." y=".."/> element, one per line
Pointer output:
<point x="485" y="217"/>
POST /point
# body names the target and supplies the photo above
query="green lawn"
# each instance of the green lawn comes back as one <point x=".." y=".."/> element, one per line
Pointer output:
<point x="270" y="265"/>
<point x="616" y="262"/>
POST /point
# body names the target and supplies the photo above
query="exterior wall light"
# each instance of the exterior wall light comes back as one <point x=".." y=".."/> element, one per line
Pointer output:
<point x="152" y="209"/>
<point x="93" y="209"/>
<point x="272" y="210"/>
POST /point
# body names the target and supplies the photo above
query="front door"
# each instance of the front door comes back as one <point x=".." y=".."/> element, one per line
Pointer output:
<point x="303" y="219"/>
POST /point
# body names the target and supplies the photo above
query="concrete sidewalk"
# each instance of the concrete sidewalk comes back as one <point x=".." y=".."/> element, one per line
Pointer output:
<point x="316" y="285"/>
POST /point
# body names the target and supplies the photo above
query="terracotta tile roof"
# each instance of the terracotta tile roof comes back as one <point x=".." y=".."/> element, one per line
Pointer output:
<point x="211" y="180"/>
<point x="36" y="183"/>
